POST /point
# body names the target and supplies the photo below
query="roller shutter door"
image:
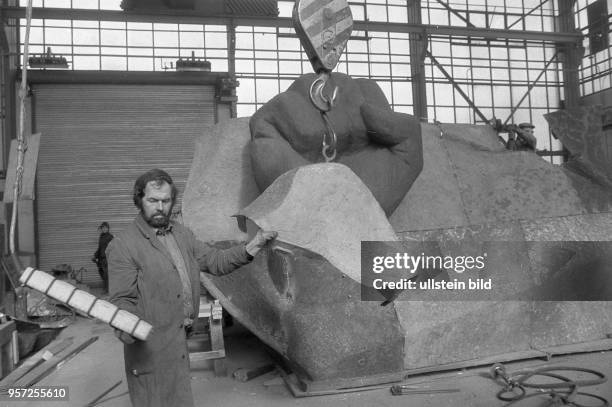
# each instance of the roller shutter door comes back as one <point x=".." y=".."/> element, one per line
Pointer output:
<point x="97" y="138"/>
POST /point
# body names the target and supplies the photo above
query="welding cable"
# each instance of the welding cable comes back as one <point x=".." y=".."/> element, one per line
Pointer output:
<point x="561" y="399"/>
<point x="561" y="393"/>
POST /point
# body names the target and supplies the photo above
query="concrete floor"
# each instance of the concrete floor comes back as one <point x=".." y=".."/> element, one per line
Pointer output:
<point x="100" y="365"/>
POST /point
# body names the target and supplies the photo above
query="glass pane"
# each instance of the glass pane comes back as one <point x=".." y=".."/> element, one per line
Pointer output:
<point x="140" y="38"/>
<point x="86" y="37"/>
<point x="86" y="62"/>
<point x="114" y="63"/>
<point x="140" y="64"/>
<point x="266" y="89"/>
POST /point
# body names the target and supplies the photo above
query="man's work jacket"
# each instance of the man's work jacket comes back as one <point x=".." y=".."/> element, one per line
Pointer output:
<point x="144" y="281"/>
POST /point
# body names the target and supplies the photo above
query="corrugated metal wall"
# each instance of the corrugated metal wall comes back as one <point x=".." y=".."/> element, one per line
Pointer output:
<point x="96" y="139"/>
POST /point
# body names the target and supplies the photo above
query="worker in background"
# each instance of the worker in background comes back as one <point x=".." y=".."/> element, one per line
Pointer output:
<point x="154" y="267"/>
<point x="521" y="138"/>
<point x="99" y="256"/>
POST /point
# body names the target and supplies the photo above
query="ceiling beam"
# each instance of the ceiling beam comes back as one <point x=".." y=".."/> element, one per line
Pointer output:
<point x="171" y="16"/>
<point x="455" y="12"/>
<point x="528" y="13"/>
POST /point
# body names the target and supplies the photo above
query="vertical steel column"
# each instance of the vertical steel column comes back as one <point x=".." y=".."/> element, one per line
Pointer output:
<point x="418" y="42"/>
<point x="570" y="54"/>
<point x="9" y="59"/>
<point x="231" y="63"/>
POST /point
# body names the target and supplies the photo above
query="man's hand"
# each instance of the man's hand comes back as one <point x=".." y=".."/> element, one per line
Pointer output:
<point x="382" y="147"/>
<point x="259" y="240"/>
<point x="124" y="337"/>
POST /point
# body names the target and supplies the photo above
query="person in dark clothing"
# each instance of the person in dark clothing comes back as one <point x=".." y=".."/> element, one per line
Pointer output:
<point x="522" y="138"/>
<point x="99" y="256"/>
<point x="154" y="269"/>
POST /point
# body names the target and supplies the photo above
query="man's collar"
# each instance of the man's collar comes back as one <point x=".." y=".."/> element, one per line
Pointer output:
<point x="150" y="231"/>
<point x="164" y="231"/>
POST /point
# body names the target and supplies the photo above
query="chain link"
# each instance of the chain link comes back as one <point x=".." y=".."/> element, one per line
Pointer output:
<point x="324" y="104"/>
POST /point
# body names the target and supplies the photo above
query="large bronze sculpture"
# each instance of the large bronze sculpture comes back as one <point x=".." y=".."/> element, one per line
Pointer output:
<point x="399" y="180"/>
<point x="471" y="189"/>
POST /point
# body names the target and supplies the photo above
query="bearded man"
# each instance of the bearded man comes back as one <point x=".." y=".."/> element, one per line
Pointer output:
<point x="154" y="267"/>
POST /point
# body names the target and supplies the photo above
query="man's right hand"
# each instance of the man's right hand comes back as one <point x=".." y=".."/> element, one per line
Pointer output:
<point x="259" y="240"/>
<point x="124" y="337"/>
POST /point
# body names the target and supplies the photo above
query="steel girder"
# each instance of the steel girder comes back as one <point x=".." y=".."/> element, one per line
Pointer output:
<point x="285" y="22"/>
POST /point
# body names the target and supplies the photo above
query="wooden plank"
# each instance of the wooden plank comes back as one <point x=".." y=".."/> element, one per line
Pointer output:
<point x="201" y="356"/>
<point x="39" y="372"/>
<point x="295" y="387"/>
<point x="95" y="401"/>
<point x="211" y="313"/>
<point x="15" y="346"/>
<point x="6" y="332"/>
<point x="244" y="375"/>
<point x="7" y="363"/>
<point x="39" y="357"/>
<point x="506" y="357"/>
<point x="546" y="353"/>
<point x="315" y="387"/>
<point x="591" y="346"/>
<point x="217" y="344"/>
<point x="29" y="169"/>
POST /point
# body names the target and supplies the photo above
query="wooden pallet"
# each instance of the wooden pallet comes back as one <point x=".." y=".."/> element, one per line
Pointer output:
<point x="209" y="345"/>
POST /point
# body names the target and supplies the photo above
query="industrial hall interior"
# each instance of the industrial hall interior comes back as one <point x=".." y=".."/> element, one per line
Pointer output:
<point x="347" y="203"/>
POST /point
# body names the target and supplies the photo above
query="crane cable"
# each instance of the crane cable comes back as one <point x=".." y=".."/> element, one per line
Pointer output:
<point x="21" y="143"/>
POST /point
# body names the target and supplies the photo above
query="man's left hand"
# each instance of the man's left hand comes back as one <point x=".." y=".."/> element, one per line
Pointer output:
<point x="124" y="337"/>
<point x="259" y="241"/>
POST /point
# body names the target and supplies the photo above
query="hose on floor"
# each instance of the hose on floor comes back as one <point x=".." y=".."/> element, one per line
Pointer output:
<point x="563" y="392"/>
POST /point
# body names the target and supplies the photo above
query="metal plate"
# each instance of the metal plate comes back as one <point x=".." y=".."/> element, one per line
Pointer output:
<point x="324" y="27"/>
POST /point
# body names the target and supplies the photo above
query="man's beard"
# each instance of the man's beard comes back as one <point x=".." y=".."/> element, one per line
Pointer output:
<point x="158" y="220"/>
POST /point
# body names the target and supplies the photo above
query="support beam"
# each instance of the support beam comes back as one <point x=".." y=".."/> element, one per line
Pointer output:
<point x="8" y="61"/>
<point x="120" y="77"/>
<point x="528" y="13"/>
<point x="455" y="12"/>
<point x="457" y="87"/>
<point x="570" y="55"/>
<point x="418" y="46"/>
<point x="5" y="46"/>
<point x="231" y="61"/>
<point x="284" y="22"/>
<point x="531" y="85"/>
